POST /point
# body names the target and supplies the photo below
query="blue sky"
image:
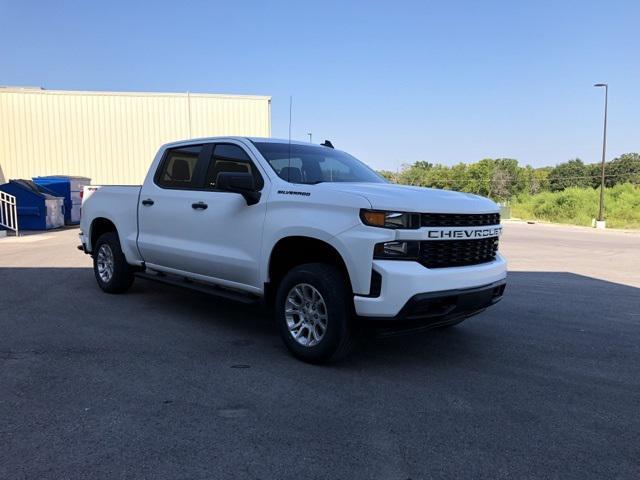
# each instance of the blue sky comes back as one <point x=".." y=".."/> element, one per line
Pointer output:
<point x="390" y="82"/>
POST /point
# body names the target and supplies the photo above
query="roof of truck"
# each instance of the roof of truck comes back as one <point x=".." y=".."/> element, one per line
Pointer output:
<point x="235" y="137"/>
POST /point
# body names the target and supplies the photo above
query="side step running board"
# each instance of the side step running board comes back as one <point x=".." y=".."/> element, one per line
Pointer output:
<point x="176" y="281"/>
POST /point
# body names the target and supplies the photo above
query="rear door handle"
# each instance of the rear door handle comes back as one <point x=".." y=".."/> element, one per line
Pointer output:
<point x="199" y="206"/>
<point x="148" y="202"/>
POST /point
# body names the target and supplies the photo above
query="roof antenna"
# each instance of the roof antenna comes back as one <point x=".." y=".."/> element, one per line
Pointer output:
<point x="327" y="143"/>
<point x="289" y="167"/>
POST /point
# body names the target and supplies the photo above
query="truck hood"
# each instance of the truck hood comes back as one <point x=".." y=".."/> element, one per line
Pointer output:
<point x="404" y="198"/>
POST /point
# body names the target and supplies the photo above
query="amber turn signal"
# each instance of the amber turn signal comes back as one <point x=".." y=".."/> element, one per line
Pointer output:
<point x="375" y="219"/>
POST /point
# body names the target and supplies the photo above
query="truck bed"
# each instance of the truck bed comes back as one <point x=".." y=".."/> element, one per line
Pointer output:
<point x="118" y="204"/>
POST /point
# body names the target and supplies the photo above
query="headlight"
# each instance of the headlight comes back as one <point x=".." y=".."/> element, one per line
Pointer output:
<point x="378" y="218"/>
<point x="397" y="250"/>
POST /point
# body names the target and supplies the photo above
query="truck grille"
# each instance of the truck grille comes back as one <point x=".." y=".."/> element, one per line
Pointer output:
<point x="457" y="253"/>
<point x="458" y="219"/>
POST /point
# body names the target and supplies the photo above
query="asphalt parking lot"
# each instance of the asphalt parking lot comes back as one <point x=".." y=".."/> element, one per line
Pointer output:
<point x="168" y="383"/>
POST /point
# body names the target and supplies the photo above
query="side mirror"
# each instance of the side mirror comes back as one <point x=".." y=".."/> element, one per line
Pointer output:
<point x="239" y="182"/>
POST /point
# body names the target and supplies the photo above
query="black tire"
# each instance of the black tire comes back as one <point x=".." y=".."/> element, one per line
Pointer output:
<point x="329" y="281"/>
<point x="122" y="277"/>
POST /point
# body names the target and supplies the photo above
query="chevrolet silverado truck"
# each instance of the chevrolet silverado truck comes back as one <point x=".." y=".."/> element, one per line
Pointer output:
<point x="311" y="231"/>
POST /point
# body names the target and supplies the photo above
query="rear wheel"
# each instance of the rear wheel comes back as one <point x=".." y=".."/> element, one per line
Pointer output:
<point x="314" y="313"/>
<point x="113" y="273"/>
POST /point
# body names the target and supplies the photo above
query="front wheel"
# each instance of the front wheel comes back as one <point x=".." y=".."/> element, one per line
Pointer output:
<point x="113" y="273"/>
<point x="314" y="313"/>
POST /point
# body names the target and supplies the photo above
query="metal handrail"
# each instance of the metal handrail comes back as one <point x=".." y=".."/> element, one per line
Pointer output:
<point x="8" y="212"/>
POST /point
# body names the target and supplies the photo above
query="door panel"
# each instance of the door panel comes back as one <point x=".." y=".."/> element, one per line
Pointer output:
<point x="204" y="231"/>
<point x="226" y="238"/>
<point x="165" y="213"/>
<point x="233" y="230"/>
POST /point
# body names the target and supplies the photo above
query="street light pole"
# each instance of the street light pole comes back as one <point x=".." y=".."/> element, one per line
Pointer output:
<point x="310" y="137"/>
<point x="604" y="149"/>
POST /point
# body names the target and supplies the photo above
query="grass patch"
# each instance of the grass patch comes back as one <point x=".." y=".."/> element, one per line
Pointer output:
<point x="578" y="206"/>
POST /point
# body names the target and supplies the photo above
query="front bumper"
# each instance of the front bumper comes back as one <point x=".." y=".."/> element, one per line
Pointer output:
<point x="404" y="281"/>
<point x="433" y="310"/>
<point x="442" y="307"/>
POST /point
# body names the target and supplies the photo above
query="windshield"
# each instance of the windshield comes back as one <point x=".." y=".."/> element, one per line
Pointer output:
<point x="315" y="164"/>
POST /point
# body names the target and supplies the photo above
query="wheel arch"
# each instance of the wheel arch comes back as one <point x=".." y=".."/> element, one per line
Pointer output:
<point x="293" y="250"/>
<point x="100" y="226"/>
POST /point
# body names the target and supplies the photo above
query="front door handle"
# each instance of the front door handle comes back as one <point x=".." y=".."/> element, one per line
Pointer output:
<point x="199" y="206"/>
<point x="148" y="202"/>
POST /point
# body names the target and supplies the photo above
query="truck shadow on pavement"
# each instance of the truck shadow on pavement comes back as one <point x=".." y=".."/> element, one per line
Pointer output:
<point x="538" y="309"/>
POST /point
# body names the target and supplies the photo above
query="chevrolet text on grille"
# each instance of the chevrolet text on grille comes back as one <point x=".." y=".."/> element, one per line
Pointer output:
<point x="454" y="233"/>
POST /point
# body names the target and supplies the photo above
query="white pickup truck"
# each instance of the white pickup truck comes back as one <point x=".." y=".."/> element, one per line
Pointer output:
<point x="308" y="229"/>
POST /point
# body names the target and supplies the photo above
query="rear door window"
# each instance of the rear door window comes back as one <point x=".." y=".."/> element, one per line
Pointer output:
<point x="178" y="169"/>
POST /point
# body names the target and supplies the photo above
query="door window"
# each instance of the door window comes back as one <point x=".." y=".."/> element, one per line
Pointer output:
<point x="179" y="167"/>
<point x="227" y="157"/>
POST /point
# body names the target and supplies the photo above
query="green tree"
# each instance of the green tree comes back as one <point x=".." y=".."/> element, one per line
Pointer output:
<point x="423" y="165"/>
<point x="573" y="173"/>
<point x="391" y="176"/>
<point x="503" y="178"/>
<point x="508" y="179"/>
<point x="540" y="180"/>
<point x="623" y="169"/>
<point x="479" y="177"/>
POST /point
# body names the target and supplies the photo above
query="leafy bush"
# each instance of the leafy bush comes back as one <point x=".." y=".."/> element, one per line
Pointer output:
<point x="578" y="206"/>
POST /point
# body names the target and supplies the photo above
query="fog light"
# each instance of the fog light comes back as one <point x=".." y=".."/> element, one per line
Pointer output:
<point x="397" y="250"/>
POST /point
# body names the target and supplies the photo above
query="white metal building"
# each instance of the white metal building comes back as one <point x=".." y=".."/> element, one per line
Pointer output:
<point x="111" y="137"/>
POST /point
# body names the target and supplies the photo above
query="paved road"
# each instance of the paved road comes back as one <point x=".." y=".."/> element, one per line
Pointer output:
<point x="165" y="383"/>
<point x="612" y="255"/>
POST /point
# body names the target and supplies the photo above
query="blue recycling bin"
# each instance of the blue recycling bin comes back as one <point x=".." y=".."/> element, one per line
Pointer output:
<point x="38" y="208"/>
<point x="69" y="188"/>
